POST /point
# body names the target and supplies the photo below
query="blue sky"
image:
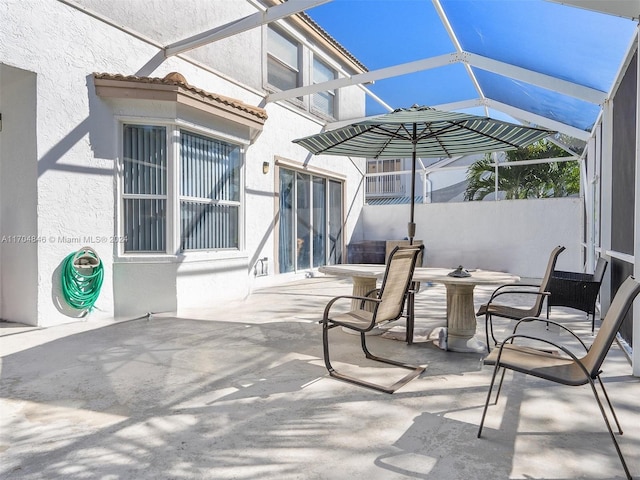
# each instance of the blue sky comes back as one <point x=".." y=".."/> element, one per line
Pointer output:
<point x="571" y="43"/>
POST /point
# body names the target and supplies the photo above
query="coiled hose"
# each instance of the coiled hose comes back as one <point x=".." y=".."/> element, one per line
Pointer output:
<point x="81" y="290"/>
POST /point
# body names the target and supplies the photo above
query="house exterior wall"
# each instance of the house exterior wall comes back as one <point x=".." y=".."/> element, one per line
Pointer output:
<point x="18" y="210"/>
<point x="516" y="236"/>
<point x="168" y="21"/>
<point x="74" y="143"/>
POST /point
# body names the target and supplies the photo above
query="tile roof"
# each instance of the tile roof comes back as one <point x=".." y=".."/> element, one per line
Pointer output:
<point x="177" y="79"/>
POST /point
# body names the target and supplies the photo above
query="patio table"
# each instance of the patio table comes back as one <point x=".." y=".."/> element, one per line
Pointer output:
<point x="461" y="317"/>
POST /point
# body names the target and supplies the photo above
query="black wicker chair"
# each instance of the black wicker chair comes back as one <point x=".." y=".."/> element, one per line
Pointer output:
<point x="577" y="290"/>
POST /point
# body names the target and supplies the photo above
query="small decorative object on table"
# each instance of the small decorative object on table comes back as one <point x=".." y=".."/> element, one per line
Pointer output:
<point x="459" y="272"/>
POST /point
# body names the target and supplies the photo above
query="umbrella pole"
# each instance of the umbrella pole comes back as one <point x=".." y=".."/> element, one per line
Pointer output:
<point x="412" y="226"/>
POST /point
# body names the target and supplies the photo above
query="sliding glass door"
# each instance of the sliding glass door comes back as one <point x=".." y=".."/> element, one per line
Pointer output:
<point x="310" y="223"/>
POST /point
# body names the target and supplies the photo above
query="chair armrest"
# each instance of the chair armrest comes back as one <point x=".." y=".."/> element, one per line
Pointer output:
<point x="369" y="295"/>
<point x="325" y="316"/>
<point x="510" y="339"/>
<point x="498" y="291"/>
<point x="547" y="321"/>
<point x="513" y="292"/>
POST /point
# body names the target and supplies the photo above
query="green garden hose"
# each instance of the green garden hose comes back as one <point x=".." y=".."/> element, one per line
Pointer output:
<point x="82" y="275"/>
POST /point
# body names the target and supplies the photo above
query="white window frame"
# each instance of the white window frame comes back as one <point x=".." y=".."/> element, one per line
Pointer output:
<point x="307" y="52"/>
<point x="334" y="95"/>
<point x="299" y="69"/>
<point x="173" y="126"/>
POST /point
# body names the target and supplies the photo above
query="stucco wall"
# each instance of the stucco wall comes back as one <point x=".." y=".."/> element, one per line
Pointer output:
<point x="75" y="144"/>
<point x="18" y="179"/>
<point x="516" y="236"/>
<point x="169" y="21"/>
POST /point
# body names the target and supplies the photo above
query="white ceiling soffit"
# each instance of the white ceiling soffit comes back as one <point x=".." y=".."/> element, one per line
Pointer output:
<point x="620" y="8"/>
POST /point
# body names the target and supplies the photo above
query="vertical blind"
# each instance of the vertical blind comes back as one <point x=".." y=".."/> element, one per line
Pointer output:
<point x="209" y="198"/>
<point x="209" y="193"/>
<point x="145" y="188"/>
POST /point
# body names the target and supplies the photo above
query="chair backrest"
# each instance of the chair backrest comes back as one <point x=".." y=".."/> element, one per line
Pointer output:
<point x="598" y="273"/>
<point x="396" y="282"/>
<point x="544" y="284"/>
<point x="391" y="244"/>
<point x="610" y="325"/>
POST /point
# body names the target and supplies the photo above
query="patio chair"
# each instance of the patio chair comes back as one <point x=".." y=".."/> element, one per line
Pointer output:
<point x="415" y="287"/>
<point x="565" y="369"/>
<point x="492" y="308"/>
<point x="577" y="290"/>
<point x="387" y="304"/>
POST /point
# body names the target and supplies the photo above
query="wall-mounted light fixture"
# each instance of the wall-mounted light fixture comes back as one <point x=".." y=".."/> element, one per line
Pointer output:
<point x="265" y="167"/>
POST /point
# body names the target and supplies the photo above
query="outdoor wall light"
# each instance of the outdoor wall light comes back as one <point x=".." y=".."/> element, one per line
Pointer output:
<point x="265" y="167"/>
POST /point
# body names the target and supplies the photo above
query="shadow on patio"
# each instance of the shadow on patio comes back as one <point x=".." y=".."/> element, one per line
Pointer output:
<point x="241" y="392"/>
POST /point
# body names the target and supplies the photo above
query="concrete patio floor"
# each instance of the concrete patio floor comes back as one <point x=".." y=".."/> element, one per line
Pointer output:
<point x="241" y="392"/>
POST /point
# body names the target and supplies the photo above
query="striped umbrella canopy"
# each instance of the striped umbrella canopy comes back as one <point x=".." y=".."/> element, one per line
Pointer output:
<point x="425" y="132"/>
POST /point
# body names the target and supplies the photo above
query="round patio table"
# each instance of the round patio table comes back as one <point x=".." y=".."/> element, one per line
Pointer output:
<point x="461" y="316"/>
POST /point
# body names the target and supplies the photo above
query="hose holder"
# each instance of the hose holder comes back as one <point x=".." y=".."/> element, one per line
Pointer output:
<point x="82" y="275"/>
<point x="86" y="258"/>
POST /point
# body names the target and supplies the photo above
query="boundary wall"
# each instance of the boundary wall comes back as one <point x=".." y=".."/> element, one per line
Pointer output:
<point x="516" y="236"/>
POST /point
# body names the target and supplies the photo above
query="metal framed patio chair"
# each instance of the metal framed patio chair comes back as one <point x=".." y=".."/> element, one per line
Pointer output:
<point x="382" y="305"/>
<point x="563" y="366"/>
<point x="539" y="291"/>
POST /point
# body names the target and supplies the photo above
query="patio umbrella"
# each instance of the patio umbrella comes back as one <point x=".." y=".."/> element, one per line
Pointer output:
<point x="425" y="132"/>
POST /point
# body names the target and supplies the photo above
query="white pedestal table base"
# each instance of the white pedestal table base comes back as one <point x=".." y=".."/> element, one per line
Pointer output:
<point x="461" y="319"/>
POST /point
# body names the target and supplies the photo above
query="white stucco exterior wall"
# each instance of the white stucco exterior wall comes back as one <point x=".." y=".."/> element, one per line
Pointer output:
<point x="18" y="193"/>
<point x="515" y="236"/>
<point x="75" y="147"/>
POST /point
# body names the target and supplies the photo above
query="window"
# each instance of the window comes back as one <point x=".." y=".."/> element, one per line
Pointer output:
<point x="290" y="65"/>
<point x="283" y="61"/>
<point x="384" y="184"/>
<point x="209" y="193"/>
<point x="324" y="102"/>
<point x="310" y="221"/>
<point x="208" y="200"/>
<point x="144" y="188"/>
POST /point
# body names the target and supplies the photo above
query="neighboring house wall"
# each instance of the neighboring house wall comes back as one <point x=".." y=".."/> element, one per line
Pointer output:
<point x="516" y="236"/>
<point x="441" y="180"/>
<point x="60" y="144"/>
